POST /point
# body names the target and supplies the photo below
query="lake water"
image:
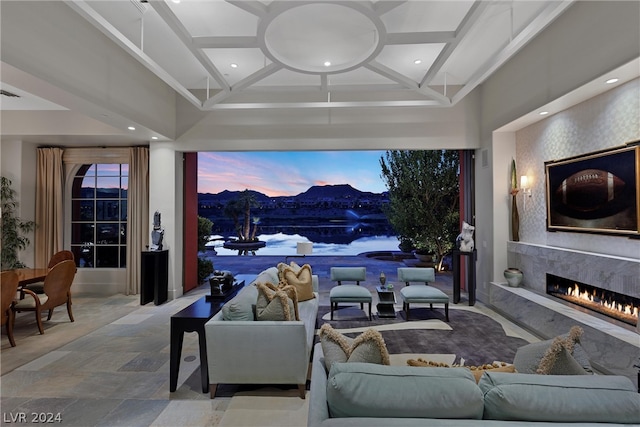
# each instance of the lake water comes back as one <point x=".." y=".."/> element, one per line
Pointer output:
<point x="282" y="244"/>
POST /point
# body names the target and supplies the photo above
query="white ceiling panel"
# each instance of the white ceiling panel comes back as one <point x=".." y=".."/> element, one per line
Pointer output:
<point x="283" y="45"/>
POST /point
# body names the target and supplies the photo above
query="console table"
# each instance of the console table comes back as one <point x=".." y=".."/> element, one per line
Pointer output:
<point x="193" y="319"/>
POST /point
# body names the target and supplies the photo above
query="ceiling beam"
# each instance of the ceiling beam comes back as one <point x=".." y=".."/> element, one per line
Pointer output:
<point x="421" y="38"/>
<point x="252" y="6"/>
<point x="383" y="6"/>
<point x="167" y="15"/>
<point x="387" y="72"/>
<point x="223" y="42"/>
<point x="95" y="19"/>
<point x="468" y="22"/>
<point x="243" y="84"/>
<point x="541" y="21"/>
<point x="306" y="105"/>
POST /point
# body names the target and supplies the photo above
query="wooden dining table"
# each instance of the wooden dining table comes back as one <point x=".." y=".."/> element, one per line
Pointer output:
<point x="27" y="276"/>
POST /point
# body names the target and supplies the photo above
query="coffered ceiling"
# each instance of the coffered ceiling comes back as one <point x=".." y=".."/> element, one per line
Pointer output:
<point x="309" y="54"/>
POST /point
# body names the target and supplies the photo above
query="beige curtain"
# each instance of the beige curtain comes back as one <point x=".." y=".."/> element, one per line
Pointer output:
<point x="137" y="215"/>
<point x="49" y="236"/>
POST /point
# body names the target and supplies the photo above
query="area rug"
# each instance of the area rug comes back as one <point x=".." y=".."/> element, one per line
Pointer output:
<point x="473" y="337"/>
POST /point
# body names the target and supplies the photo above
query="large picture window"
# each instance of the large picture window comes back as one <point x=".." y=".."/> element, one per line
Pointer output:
<point x="99" y="216"/>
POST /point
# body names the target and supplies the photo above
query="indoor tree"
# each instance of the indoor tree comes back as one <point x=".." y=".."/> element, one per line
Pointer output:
<point x="13" y="228"/>
<point x="423" y="197"/>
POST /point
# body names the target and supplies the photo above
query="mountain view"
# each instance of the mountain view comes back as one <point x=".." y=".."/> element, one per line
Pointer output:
<point x="323" y="214"/>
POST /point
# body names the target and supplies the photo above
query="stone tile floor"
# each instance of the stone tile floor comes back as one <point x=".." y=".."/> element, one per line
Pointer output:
<point x="111" y="366"/>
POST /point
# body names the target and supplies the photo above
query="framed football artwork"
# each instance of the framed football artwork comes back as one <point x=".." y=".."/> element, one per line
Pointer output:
<point x="597" y="192"/>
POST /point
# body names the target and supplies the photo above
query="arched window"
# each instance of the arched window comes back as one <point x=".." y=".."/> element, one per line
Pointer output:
<point x="99" y="215"/>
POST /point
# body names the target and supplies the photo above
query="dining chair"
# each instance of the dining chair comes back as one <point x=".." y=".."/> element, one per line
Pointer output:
<point x="57" y="291"/>
<point x="59" y="256"/>
<point x="9" y="283"/>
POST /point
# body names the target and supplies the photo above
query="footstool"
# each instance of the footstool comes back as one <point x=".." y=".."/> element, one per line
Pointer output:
<point x="421" y="294"/>
<point x="349" y="293"/>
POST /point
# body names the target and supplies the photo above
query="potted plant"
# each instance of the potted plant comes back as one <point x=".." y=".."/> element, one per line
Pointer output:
<point x="13" y="228"/>
<point x="205" y="265"/>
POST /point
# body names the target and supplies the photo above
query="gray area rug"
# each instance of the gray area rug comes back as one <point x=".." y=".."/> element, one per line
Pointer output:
<point x="476" y="338"/>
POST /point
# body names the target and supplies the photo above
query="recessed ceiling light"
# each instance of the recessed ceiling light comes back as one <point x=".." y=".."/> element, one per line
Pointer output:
<point x="154" y="137"/>
<point x="234" y="65"/>
<point x="327" y="63"/>
<point x="611" y="81"/>
<point x="544" y="113"/>
<point x="176" y="1"/>
<point x="417" y="61"/>
<point x="131" y="128"/>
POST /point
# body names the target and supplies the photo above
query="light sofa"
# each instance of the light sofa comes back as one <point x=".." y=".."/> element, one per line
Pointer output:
<point x="248" y="351"/>
<point x="367" y="394"/>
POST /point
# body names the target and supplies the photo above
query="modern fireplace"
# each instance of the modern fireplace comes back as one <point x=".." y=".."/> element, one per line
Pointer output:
<point x="618" y="306"/>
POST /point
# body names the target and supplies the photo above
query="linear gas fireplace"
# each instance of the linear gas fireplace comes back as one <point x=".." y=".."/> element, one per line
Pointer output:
<point x="621" y="307"/>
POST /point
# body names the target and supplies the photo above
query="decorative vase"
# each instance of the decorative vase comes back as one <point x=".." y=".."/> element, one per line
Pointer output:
<point x="514" y="277"/>
<point x="515" y="220"/>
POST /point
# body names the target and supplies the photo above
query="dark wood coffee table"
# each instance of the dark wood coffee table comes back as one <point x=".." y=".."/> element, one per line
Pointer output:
<point x="193" y="319"/>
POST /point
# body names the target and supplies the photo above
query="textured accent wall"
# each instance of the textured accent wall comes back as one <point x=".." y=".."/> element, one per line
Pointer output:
<point x="607" y="120"/>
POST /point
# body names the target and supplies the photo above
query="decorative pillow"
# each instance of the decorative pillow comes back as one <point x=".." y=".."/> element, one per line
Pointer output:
<point x="527" y="359"/>
<point x="368" y="347"/>
<point x="276" y="304"/>
<point x="299" y="278"/>
<point x="557" y="360"/>
<point x="241" y="307"/>
<point x="477" y="371"/>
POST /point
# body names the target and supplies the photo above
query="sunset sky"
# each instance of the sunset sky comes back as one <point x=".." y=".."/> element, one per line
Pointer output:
<point x="288" y="173"/>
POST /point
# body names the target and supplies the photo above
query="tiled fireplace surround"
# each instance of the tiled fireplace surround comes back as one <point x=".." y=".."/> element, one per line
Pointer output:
<point x="612" y="347"/>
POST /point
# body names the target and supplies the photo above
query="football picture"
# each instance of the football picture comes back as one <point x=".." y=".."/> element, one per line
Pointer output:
<point x="596" y="192"/>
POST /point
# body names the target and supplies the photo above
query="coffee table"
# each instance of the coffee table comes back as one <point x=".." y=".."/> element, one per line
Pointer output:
<point x="386" y="304"/>
<point x="193" y="319"/>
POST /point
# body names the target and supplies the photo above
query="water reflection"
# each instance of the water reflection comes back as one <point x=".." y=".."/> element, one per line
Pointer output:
<point x="283" y="244"/>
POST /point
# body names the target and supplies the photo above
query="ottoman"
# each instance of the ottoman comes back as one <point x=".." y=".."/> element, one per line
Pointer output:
<point x="423" y="294"/>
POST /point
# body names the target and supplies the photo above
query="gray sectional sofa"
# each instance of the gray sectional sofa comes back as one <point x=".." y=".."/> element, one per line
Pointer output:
<point x="242" y="350"/>
<point x="367" y="394"/>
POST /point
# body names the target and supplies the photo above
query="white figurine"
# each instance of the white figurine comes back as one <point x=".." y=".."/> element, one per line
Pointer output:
<point x="465" y="238"/>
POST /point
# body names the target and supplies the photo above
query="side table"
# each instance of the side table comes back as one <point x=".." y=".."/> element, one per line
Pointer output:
<point x="193" y="319"/>
<point x="386" y="304"/>
<point x="470" y="258"/>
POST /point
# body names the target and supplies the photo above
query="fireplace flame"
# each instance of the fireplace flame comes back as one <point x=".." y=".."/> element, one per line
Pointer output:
<point x="585" y="295"/>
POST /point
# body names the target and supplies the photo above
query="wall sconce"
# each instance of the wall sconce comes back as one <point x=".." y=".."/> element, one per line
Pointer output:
<point x="302" y="249"/>
<point x="525" y="187"/>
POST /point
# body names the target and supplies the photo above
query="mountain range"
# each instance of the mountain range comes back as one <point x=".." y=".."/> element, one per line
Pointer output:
<point x="339" y="191"/>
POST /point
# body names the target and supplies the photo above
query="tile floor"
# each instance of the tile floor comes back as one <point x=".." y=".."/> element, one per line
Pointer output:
<point x="111" y="366"/>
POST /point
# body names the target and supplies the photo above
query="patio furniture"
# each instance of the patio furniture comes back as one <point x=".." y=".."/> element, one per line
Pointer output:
<point x="421" y="294"/>
<point x="349" y="293"/>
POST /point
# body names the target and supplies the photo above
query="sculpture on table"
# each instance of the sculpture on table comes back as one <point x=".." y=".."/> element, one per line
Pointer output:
<point x="157" y="234"/>
<point x="465" y="238"/>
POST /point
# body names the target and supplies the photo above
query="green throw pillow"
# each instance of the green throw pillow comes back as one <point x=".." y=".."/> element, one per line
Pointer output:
<point x="528" y="358"/>
<point x="368" y="347"/>
<point x="274" y="304"/>
<point x="241" y="306"/>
